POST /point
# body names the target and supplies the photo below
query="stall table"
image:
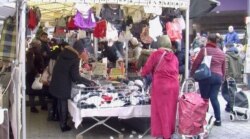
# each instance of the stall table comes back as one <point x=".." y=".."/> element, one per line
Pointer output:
<point x="120" y="112"/>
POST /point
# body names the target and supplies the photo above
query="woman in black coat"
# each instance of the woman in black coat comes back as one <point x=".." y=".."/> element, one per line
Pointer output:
<point x="34" y="66"/>
<point x="66" y="71"/>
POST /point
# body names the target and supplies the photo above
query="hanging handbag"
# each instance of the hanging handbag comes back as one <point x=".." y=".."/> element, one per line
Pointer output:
<point x="84" y="23"/>
<point x="37" y="84"/>
<point x="8" y="40"/>
<point x="203" y="72"/>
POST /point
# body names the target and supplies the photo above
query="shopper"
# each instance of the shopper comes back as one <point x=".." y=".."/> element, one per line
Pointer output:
<point x="34" y="66"/>
<point x="55" y="51"/>
<point x="209" y="88"/>
<point x="231" y="37"/>
<point x="165" y="88"/>
<point x="66" y="71"/>
<point x="233" y="70"/>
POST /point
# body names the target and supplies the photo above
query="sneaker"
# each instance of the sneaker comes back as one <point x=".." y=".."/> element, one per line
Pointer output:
<point x="34" y="110"/>
<point x="217" y="123"/>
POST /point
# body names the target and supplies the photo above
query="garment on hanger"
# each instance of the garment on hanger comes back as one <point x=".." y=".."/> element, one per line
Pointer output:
<point x="174" y="31"/>
<point x="84" y="23"/>
<point x="145" y="38"/>
<point x="100" y="29"/>
<point x="32" y="20"/>
<point x="111" y="34"/>
<point x="155" y="28"/>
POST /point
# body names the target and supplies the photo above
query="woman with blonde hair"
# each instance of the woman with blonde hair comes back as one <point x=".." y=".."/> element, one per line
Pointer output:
<point x="164" y="67"/>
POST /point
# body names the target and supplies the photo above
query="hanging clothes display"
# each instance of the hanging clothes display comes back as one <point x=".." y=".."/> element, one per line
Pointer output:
<point x="111" y="34"/>
<point x="173" y="30"/>
<point x="32" y="20"/>
<point x="84" y="23"/>
<point x="100" y="29"/>
<point x="113" y="14"/>
<point x="155" y="28"/>
<point x="8" y="40"/>
<point x="71" y="23"/>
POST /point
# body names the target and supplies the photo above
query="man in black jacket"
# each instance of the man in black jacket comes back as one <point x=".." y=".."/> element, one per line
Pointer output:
<point x="66" y="71"/>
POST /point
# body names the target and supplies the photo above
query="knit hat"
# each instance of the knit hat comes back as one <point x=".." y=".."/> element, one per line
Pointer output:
<point x="164" y="41"/>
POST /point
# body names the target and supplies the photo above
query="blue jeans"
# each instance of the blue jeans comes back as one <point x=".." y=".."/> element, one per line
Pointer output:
<point x="209" y="89"/>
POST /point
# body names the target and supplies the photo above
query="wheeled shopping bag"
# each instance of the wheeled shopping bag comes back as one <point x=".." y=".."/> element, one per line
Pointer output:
<point x="238" y="101"/>
<point x="192" y="109"/>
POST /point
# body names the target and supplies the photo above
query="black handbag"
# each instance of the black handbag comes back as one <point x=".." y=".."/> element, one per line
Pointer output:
<point x="203" y="72"/>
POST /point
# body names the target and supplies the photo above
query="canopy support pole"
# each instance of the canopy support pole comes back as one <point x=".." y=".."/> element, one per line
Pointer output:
<point x="22" y="29"/>
<point x="187" y="45"/>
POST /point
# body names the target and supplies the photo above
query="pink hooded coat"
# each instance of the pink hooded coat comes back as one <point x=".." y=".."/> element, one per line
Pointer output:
<point x="164" y="92"/>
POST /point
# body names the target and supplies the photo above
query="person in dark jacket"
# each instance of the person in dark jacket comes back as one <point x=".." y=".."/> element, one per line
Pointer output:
<point x="34" y="66"/>
<point x="233" y="70"/>
<point x="66" y="72"/>
<point x="209" y="87"/>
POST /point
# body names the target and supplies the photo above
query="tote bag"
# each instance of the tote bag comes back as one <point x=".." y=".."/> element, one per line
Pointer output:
<point x="204" y="72"/>
<point x="8" y="40"/>
<point x="37" y="84"/>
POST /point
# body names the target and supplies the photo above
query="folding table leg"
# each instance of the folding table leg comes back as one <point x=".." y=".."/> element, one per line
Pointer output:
<point x="141" y="136"/>
<point x="100" y="122"/>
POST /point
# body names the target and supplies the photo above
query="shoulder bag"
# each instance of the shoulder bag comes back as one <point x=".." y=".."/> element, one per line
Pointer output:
<point x="203" y="72"/>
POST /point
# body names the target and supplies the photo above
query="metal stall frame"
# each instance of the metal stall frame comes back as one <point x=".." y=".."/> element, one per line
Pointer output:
<point x="21" y="44"/>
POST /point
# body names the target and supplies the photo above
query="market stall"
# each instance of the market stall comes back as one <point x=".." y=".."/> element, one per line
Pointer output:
<point x="135" y="4"/>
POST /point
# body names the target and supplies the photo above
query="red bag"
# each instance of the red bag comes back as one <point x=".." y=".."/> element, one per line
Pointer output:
<point x="192" y="113"/>
<point x="71" y="24"/>
<point x="32" y="21"/>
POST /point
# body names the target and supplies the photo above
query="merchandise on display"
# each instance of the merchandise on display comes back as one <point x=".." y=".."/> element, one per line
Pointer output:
<point x="110" y="94"/>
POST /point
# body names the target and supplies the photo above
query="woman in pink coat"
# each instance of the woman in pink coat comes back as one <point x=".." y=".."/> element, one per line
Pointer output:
<point x="165" y="89"/>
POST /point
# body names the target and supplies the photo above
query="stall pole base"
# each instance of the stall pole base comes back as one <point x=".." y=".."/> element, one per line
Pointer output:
<point x="99" y="122"/>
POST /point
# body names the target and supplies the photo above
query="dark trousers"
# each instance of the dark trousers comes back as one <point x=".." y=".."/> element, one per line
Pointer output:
<point x="62" y="106"/>
<point x="209" y="89"/>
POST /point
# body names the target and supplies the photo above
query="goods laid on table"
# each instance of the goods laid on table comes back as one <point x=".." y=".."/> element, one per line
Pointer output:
<point x="110" y="94"/>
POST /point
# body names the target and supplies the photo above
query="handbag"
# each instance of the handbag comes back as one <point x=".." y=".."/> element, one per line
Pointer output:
<point x="84" y="23"/>
<point x="37" y="84"/>
<point x="203" y="72"/>
<point x="8" y="40"/>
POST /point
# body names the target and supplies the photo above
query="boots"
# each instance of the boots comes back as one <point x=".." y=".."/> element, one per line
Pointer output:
<point x="63" y="114"/>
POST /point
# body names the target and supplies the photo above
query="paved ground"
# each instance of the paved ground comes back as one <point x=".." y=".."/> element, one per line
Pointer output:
<point x="39" y="128"/>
